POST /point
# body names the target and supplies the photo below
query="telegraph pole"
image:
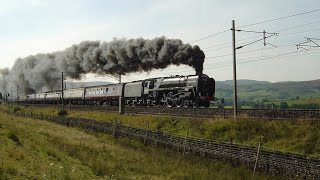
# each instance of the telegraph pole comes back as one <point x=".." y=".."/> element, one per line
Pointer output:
<point x="235" y="101"/>
<point x="62" y="90"/>
<point x="119" y="78"/>
<point x="17" y="92"/>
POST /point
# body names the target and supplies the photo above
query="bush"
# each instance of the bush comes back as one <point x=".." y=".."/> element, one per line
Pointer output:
<point x="14" y="138"/>
<point x="62" y="112"/>
<point x="16" y="109"/>
<point x="283" y="105"/>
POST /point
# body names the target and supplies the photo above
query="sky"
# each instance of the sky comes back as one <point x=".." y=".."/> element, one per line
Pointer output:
<point x="29" y="27"/>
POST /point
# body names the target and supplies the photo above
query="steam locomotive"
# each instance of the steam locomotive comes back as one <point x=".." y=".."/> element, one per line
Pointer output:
<point x="178" y="91"/>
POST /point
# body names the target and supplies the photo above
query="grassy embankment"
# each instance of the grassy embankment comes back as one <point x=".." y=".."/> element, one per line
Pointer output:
<point x="33" y="149"/>
<point x="297" y="136"/>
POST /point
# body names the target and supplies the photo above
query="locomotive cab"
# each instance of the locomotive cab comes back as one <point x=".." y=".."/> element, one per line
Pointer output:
<point x="206" y="88"/>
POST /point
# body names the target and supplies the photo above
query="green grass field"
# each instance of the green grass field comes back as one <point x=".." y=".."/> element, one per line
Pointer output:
<point x="297" y="136"/>
<point x="33" y="149"/>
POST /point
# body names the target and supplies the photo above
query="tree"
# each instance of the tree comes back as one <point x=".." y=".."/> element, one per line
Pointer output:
<point x="283" y="105"/>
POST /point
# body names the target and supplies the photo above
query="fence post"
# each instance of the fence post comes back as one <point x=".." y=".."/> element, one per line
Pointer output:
<point x="255" y="164"/>
<point x="145" y="135"/>
<point x="185" y="143"/>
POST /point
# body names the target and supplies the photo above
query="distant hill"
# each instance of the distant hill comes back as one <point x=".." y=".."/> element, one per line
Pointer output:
<point x="244" y="82"/>
<point x="251" y="90"/>
<point x="228" y="84"/>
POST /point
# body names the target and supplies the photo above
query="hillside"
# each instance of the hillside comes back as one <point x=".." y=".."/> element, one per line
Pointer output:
<point x="257" y="91"/>
<point x="33" y="149"/>
<point x="242" y="82"/>
<point x="282" y="135"/>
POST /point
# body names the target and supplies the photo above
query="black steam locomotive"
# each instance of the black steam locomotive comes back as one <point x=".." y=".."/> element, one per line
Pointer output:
<point x="179" y="91"/>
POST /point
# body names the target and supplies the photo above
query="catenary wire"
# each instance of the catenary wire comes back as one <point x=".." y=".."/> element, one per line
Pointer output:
<point x="280" y="18"/>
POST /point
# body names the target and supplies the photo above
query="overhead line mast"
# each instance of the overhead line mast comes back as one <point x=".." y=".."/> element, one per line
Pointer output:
<point x="235" y="95"/>
<point x="235" y="102"/>
<point x="62" y="95"/>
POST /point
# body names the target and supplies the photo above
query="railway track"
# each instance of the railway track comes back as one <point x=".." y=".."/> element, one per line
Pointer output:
<point x="205" y="112"/>
<point x="275" y="162"/>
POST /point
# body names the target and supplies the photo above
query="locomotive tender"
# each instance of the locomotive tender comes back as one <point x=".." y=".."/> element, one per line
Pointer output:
<point x="179" y="91"/>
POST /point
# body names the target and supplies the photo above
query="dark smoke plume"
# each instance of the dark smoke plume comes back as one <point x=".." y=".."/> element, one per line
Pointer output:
<point x="119" y="56"/>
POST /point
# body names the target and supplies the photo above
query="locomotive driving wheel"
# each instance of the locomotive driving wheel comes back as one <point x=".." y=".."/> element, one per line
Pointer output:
<point x="179" y="102"/>
<point x="186" y="103"/>
<point x="170" y="102"/>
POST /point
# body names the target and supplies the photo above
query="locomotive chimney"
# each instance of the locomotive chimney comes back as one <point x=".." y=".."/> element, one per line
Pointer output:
<point x="199" y="71"/>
